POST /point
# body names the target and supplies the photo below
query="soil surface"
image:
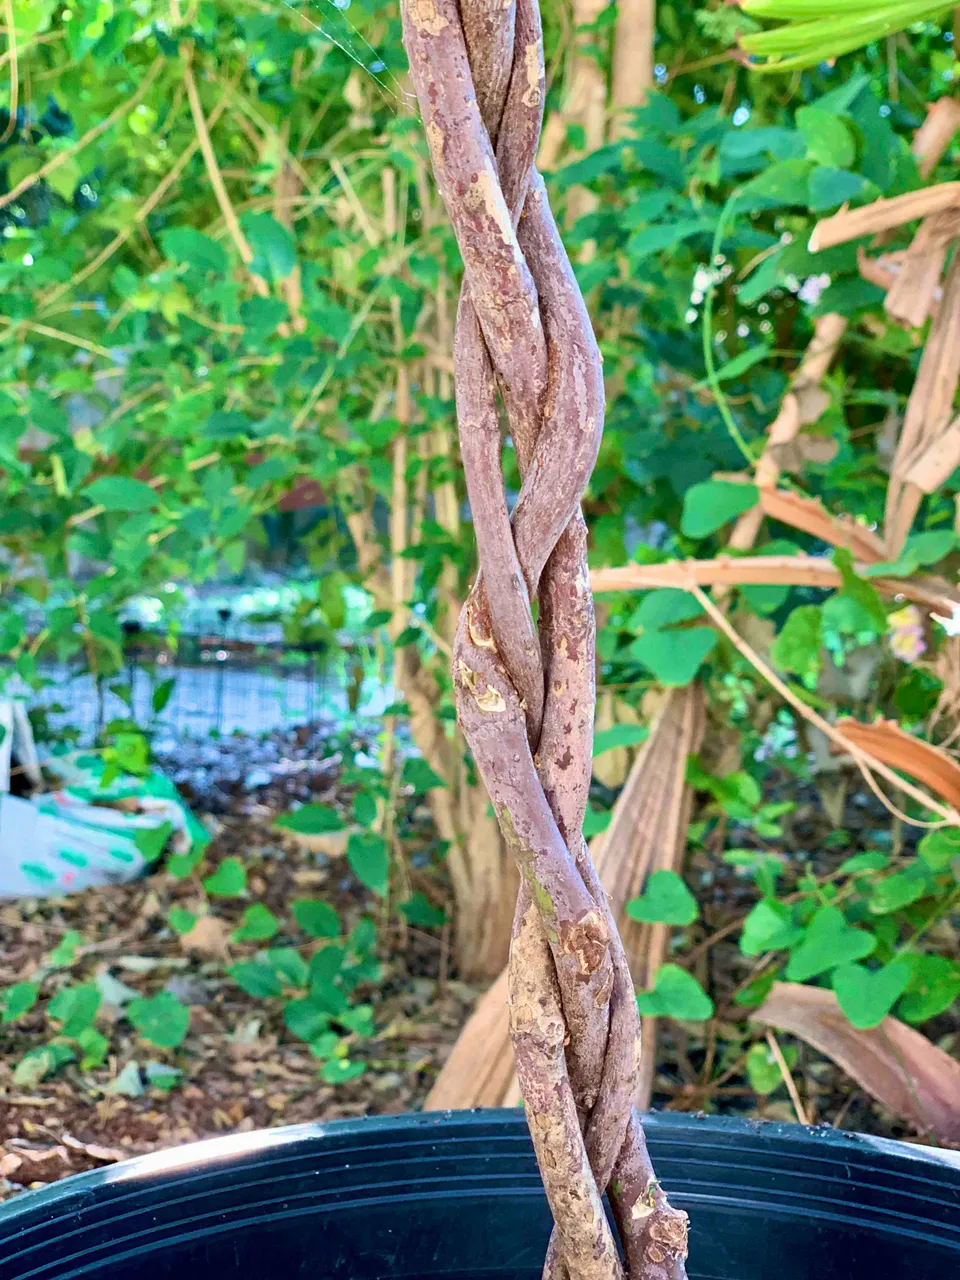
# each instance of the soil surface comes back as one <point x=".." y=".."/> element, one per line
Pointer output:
<point x="243" y="1070"/>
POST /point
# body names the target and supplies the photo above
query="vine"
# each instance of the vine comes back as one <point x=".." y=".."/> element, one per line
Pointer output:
<point x="525" y="691"/>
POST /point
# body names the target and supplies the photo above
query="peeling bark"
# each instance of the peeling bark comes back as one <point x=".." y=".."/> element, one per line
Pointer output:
<point x="525" y="691"/>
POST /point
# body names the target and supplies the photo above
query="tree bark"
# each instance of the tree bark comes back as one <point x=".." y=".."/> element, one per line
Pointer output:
<point x="525" y="690"/>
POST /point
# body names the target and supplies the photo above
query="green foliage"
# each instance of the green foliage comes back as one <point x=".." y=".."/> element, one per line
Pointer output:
<point x="665" y="900"/>
<point x="369" y="857"/>
<point x="228" y="881"/>
<point x="162" y="1019"/>
<point x="675" y="994"/>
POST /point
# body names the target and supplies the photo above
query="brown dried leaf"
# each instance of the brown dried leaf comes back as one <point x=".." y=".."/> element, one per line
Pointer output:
<point x="893" y="746"/>
<point x="332" y="844"/>
<point x="207" y="938"/>
<point x="933" y="466"/>
<point x="884" y="215"/>
<point x="935" y="134"/>
<point x="811" y="516"/>
<point x="929" y="411"/>
<point x="895" y="1064"/>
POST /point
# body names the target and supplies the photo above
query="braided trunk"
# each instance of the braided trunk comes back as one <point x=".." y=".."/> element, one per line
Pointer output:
<point x="525" y="690"/>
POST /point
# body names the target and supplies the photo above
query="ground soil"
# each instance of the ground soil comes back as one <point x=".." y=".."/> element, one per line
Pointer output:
<point x="242" y="1070"/>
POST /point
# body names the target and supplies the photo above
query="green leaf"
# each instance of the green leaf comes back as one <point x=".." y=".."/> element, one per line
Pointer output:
<point x="768" y="927"/>
<point x="665" y="900"/>
<point x="311" y="820"/>
<point x="121" y="493"/>
<point x="17" y="1000"/>
<point x="194" y="249"/>
<point x="325" y="1045"/>
<point x="860" y="862"/>
<point x="797" y="647"/>
<point x="736" y="368"/>
<point x="418" y="774"/>
<point x="365" y="808"/>
<point x="675" y="994"/>
<point x="358" y="1020"/>
<point x="897" y="892"/>
<point x="289" y="965"/>
<point x="162" y="1019"/>
<point x="865" y="995"/>
<point x="782" y="183"/>
<point x="94" y="1048"/>
<point x="228" y="881"/>
<point x="370" y="859"/>
<point x="931" y="547"/>
<point x="939" y="849"/>
<point x="828" y="941"/>
<point x="619" y="735"/>
<point x="317" y="919"/>
<point x="256" y="979"/>
<point x="76" y="1008"/>
<point x="181" y="921"/>
<point x="830" y="187"/>
<point x="763" y="1070"/>
<point x="275" y="254"/>
<point x="595" y="821"/>
<point x="856" y="589"/>
<point x="829" y="141"/>
<point x="259" y="924"/>
<point x="674" y="657"/>
<point x="151" y="841"/>
<point x="707" y="507"/>
<point x="340" y="1070"/>
<point x="65" y="952"/>
<point x="663" y="608"/>
<point x="419" y="911"/>
<point x="668" y="235"/>
<point x="306" y="1019"/>
<point x="933" y="987"/>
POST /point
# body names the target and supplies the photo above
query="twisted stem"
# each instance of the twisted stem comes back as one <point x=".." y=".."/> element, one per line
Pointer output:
<point x="525" y="690"/>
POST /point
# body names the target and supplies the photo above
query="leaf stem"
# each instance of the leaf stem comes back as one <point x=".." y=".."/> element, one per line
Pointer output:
<point x="713" y="382"/>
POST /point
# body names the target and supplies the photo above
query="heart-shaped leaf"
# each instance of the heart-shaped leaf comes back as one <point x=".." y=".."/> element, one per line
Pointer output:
<point x="933" y="987"/>
<point x="665" y="900"/>
<point x="369" y="857"/>
<point x="768" y="927"/>
<point x="256" y="979"/>
<point x="619" y="735"/>
<point x="259" y="925"/>
<point x="311" y="820"/>
<point x="675" y="994"/>
<point x="707" y="507"/>
<point x="866" y="996"/>
<point x="674" y="657"/>
<point x="828" y="942"/>
<point x="228" y="881"/>
<point x="162" y="1020"/>
<point x="316" y="918"/>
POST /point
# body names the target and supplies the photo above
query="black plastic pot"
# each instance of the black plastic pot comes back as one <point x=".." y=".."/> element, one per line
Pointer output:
<point x="458" y="1196"/>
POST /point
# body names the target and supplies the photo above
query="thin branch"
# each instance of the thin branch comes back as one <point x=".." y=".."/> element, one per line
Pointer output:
<point x="213" y="170"/>
<point x="787" y="1078"/>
